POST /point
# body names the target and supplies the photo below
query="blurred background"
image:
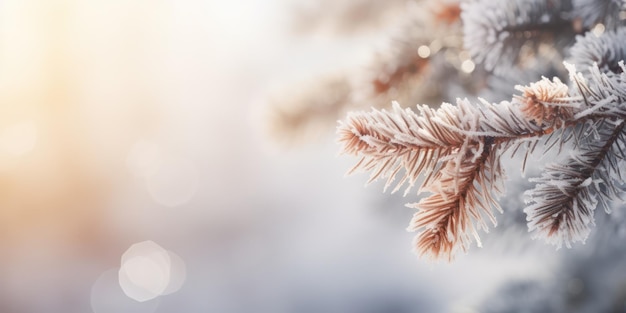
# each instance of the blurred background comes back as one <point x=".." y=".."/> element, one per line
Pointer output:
<point x="140" y="168"/>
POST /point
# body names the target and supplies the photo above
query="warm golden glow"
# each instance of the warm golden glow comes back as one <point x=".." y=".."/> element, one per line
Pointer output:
<point x="73" y="99"/>
<point x="19" y="138"/>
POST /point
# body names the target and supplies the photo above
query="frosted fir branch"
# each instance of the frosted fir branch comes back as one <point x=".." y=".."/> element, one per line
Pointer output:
<point x="546" y="102"/>
<point x="602" y="95"/>
<point x="390" y="141"/>
<point x="455" y="150"/>
<point x="461" y="172"/>
<point x="449" y="150"/>
<point x="497" y="32"/>
<point x="606" y="50"/>
<point x="462" y="196"/>
<point x="566" y="195"/>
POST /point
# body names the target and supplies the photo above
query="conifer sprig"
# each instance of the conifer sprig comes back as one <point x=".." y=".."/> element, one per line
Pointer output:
<point x="455" y="151"/>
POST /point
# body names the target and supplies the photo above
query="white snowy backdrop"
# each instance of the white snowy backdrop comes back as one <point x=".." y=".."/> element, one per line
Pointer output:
<point x="130" y="121"/>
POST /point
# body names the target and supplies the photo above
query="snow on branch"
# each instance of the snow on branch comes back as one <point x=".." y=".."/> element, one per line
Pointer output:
<point x="390" y="141"/>
<point x="456" y="151"/>
<point x="606" y="50"/>
<point x="567" y="193"/>
<point x="462" y="195"/>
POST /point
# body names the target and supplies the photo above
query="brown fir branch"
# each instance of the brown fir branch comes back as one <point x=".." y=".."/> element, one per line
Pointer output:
<point x="389" y="141"/>
<point x="462" y="194"/>
<point x="544" y="101"/>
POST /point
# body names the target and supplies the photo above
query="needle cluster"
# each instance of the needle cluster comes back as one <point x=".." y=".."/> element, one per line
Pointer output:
<point x="454" y="153"/>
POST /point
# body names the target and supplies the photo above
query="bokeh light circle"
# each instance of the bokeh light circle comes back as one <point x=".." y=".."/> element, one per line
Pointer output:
<point x="148" y="271"/>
